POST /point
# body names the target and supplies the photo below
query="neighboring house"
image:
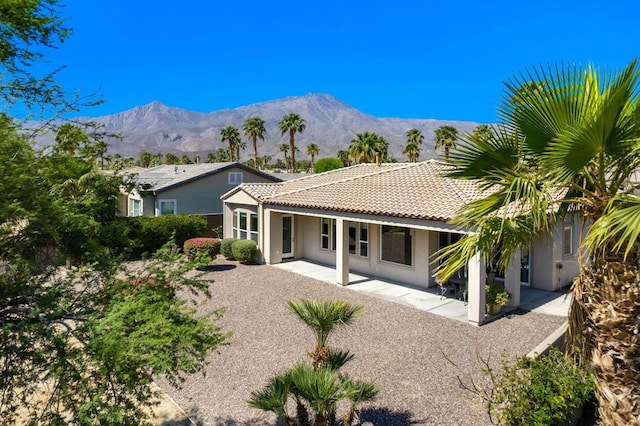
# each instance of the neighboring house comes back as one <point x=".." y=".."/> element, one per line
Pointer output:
<point x="385" y="220"/>
<point x="188" y="188"/>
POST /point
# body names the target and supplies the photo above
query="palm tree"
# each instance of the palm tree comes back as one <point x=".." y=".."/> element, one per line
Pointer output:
<point x="446" y="137"/>
<point x="292" y="123"/>
<point x="415" y="139"/>
<point x="483" y="131"/>
<point x="284" y="148"/>
<point x="232" y="135"/>
<point x="254" y="128"/>
<point x="239" y="145"/>
<point x="313" y="150"/>
<point x="343" y="155"/>
<point x="366" y="146"/>
<point x="69" y="138"/>
<point x="323" y="317"/>
<point x="569" y="148"/>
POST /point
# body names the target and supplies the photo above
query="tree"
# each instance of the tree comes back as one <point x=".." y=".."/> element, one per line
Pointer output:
<point x="415" y="139"/>
<point x="367" y="146"/>
<point x="284" y="148"/>
<point x="343" y="155"/>
<point x="82" y="335"/>
<point x="69" y="138"/>
<point x="483" y="131"/>
<point x="318" y="387"/>
<point x="445" y="137"/>
<point x="232" y="135"/>
<point x="312" y="150"/>
<point x="254" y="128"/>
<point x="292" y="124"/>
<point x="326" y="164"/>
<point x="240" y="145"/>
<point x="569" y="148"/>
<point x="100" y="149"/>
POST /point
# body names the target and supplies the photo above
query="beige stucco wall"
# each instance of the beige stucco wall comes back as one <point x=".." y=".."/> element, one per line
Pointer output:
<point x="418" y="274"/>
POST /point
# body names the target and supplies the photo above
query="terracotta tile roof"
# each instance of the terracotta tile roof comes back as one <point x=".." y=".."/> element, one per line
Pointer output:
<point x="411" y="190"/>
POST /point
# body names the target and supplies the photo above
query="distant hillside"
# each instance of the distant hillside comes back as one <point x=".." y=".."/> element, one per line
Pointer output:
<point x="331" y="124"/>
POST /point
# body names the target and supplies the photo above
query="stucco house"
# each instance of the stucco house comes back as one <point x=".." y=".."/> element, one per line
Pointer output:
<point x="385" y="220"/>
<point x="188" y="188"/>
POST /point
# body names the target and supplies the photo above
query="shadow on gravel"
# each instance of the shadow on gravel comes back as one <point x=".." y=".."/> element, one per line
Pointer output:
<point x="384" y="416"/>
<point x="217" y="268"/>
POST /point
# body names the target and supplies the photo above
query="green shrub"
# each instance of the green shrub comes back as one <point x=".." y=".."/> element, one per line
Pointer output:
<point x="197" y="246"/>
<point x="326" y="164"/>
<point x="244" y="251"/>
<point x="225" y="247"/>
<point x="547" y="390"/>
<point x="147" y="234"/>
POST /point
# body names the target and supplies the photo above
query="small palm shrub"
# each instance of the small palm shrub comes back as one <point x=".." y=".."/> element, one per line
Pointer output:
<point x="316" y="388"/>
<point x="244" y="251"/>
<point x="225" y="247"/>
<point x="194" y="247"/>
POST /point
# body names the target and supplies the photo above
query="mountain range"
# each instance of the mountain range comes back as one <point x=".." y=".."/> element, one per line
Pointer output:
<point x="330" y="123"/>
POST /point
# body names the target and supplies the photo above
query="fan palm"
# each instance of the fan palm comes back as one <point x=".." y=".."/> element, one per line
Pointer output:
<point x="254" y="128"/>
<point x="292" y="124"/>
<point x="312" y="150"/>
<point x="231" y="135"/>
<point x="284" y="148"/>
<point x="323" y="317"/>
<point x="569" y="147"/>
<point x="357" y="392"/>
<point x="69" y="138"/>
<point x="415" y="139"/>
<point x="445" y="137"/>
<point x="483" y="131"/>
<point x="366" y="146"/>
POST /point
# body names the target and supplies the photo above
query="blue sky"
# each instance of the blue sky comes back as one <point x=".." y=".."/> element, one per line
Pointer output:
<point x="409" y="59"/>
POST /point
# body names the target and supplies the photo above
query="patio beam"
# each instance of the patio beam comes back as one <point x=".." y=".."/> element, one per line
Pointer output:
<point x="477" y="280"/>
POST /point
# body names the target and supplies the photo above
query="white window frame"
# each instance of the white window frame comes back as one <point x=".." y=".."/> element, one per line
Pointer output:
<point x="411" y="235"/>
<point x="131" y="209"/>
<point x="330" y="237"/>
<point x="248" y="232"/>
<point x="235" y="178"/>
<point x="568" y="252"/>
<point x="167" y="200"/>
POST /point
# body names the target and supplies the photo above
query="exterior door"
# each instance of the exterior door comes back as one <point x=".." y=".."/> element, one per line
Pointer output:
<point x="287" y="236"/>
<point x="525" y="263"/>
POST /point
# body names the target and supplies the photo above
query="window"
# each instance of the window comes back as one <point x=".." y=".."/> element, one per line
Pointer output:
<point x="325" y="237"/>
<point x="235" y="178"/>
<point x="364" y="240"/>
<point x="135" y="207"/>
<point x="245" y="225"/>
<point x="166" y="207"/>
<point x="395" y="244"/>
<point x="358" y="236"/>
<point x="567" y="241"/>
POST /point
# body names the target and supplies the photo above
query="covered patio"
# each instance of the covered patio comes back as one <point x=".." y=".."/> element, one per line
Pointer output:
<point x="554" y="303"/>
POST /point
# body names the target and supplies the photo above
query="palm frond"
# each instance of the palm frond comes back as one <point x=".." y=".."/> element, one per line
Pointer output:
<point x="337" y="358"/>
<point x="273" y="397"/>
<point x="324" y="316"/>
<point x="617" y="229"/>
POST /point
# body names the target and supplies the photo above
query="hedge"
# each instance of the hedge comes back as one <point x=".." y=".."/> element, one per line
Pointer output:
<point x="244" y="251"/>
<point x="133" y="236"/>
<point x="195" y="246"/>
<point x="225" y="247"/>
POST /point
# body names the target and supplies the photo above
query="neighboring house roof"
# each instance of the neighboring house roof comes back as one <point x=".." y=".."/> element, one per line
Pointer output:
<point x="164" y="177"/>
<point x="411" y="190"/>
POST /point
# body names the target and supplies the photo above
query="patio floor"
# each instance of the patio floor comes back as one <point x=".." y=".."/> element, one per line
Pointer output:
<point x="544" y="302"/>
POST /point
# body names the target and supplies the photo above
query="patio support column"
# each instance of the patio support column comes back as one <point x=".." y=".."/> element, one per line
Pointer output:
<point x="512" y="280"/>
<point x="476" y="282"/>
<point x="342" y="252"/>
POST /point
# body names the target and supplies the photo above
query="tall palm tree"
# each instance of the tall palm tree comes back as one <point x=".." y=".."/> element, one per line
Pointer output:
<point x="415" y="139"/>
<point x="366" y="146"/>
<point x="569" y="148"/>
<point x="254" y="128"/>
<point x="483" y="131"/>
<point x="69" y="138"/>
<point x="231" y="135"/>
<point x="284" y="148"/>
<point x="239" y="145"/>
<point x="446" y="137"/>
<point x="292" y="124"/>
<point x="312" y="150"/>
<point x="323" y="317"/>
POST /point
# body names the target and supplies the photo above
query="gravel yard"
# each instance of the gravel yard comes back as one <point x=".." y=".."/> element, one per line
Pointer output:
<point x="401" y="349"/>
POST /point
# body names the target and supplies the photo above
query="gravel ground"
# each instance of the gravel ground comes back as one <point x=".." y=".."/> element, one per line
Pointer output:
<point x="402" y="350"/>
